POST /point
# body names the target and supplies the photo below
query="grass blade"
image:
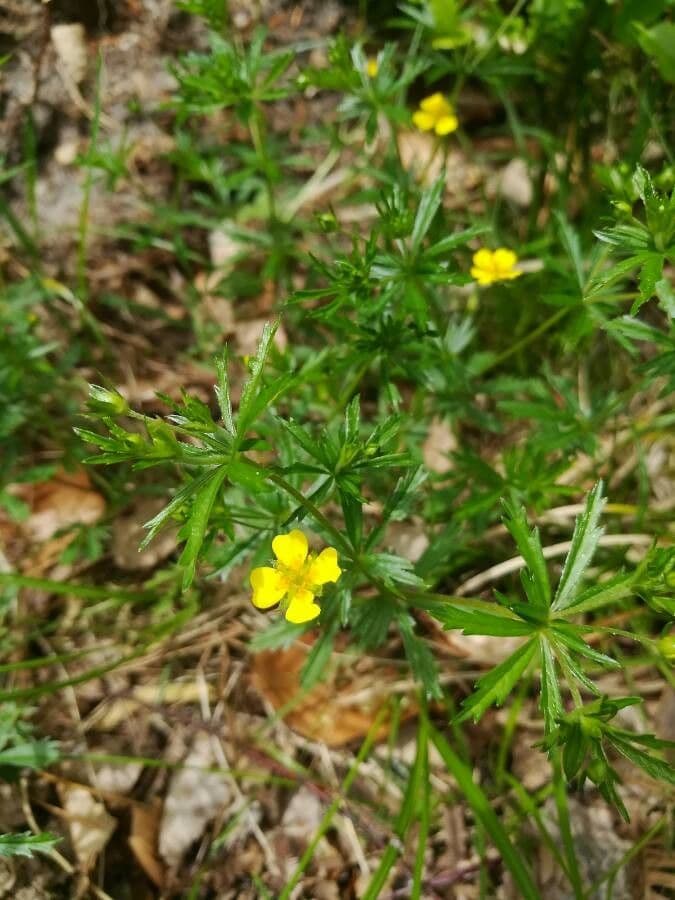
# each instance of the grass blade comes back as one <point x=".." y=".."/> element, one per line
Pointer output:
<point x="484" y="813"/>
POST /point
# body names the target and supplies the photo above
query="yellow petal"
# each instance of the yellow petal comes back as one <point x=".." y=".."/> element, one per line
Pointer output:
<point x="291" y="549"/>
<point x="482" y="258"/>
<point x="302" y="608"/>
<point x="325" y="567"/>
<point x="446" y="125"/>
<point x="437" y="105"/>
<point x="482" y="276"/>
<point x="269" y="586"/>
<point x="504" y="260"/>
<point x="423" y="120"/>
<point x="372" y="67"/>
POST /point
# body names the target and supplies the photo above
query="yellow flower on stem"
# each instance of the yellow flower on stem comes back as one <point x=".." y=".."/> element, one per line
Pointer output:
<point x="436" y="114"/>
<point x="297" y="577"/>
<point x="498" y="265"/>
<point x="372" y="67"/>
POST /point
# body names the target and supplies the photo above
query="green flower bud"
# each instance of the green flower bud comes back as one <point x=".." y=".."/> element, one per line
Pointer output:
<point x="667" y="647"/>
<point x="597" y="771"/>
<point x="107" y="401"/>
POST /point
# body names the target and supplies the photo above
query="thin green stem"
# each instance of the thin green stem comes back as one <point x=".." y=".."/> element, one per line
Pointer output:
<point x="564" y="823"/>
<point x="327" y="820"/>
<point x="523" y="342"/>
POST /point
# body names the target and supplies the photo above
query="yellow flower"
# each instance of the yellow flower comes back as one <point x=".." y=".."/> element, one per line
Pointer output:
<point x="498" y="265"/>
<point x="297" y="576"/>
<point x="372" y="67"/>
<point x="435" y="114"/>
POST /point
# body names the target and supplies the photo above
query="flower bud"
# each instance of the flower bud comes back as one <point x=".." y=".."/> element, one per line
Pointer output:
<point x="667" y="646"/>
<point x="107" y="401"/>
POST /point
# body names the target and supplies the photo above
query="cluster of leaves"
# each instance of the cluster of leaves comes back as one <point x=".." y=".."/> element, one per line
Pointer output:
<point x="385" y="308"/>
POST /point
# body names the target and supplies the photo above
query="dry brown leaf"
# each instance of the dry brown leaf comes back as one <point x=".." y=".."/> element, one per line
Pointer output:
<point x="323" y="714"/>
<point x="128" y="532"/>
<point x="194" y="798"/>
<point x="513" y="182"/>
<point x="90" y="824"/>
<point x="224" y="249"/>
<point x="66" y="499"/>
<point x="145" y="819"/>
<point x="111" y="713"/>
<point x="248" y="336"/>
<point x="481" y="648"/>
<point x="69" y="41"/>
<point x="439" y="444"/>
<point x="421" y="154"/>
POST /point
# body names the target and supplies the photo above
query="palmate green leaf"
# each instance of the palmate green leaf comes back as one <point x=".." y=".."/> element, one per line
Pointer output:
<point x="393" y="569"/>
<point x="585" y="539"/>
<point x="550" y="699"/>
<point x="498" y="684"/>
<point x="26" y="844"/>
<point x="370" y="620"/>
<point x="535" y="576"/>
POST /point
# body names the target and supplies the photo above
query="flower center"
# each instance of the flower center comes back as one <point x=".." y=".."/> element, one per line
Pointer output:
<point x="297" y="579"/>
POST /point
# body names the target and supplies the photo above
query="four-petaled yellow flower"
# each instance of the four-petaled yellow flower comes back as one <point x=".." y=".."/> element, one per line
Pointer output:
<point x="436" y="114"/>
<point x="297" y="576"/>
<point x="372" y="66"/>
<point x="494" y="265"/>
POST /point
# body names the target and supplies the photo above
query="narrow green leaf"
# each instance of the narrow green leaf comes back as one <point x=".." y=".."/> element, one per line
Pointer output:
<point x="421" y="659"/>
<point x="317" y="659"/>
<point x="568" y="636"/>
<point x="497" y="684"/>
<point x="427" y="209"/>
<point x="30" y="755"/>
<point x="477" y="622"/>
<point x="570" y="241"/>
<point x="223" y="393"/>
<point x="585" y="539"/>
<point x="251" y="389"/>
<point x="482" y="810"/>
<point x="406" y="814"/>
<point x="551" y="701"/>
<point x="26" y="844"/>
<point x="535" y="577"/>
<point x="452" y="241"/>
<point x="618" y="588"/>
<point x="574" y="752"/>
<point x="655" y="768"/>
<point x="198" y="522"/>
